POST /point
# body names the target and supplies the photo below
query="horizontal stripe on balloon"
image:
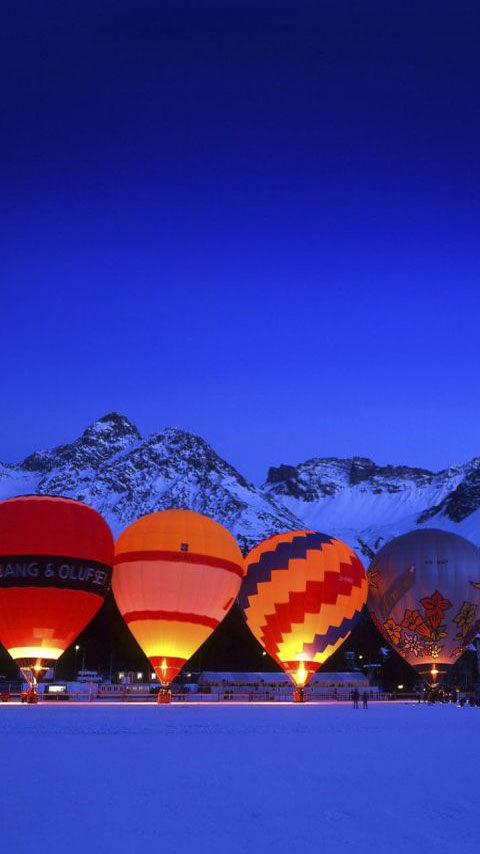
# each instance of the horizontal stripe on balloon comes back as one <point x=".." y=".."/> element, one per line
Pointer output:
<point x="177" y="616"/>
<point x="54" y="571"/>
<point x="41" y="652"/>
<point x="180" y="557"/>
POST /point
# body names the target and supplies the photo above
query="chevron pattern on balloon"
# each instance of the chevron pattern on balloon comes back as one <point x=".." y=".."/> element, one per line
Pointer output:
<point x="302" y="595"/>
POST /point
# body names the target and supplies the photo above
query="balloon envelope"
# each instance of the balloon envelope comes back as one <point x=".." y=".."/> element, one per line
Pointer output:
<point x="424" y="596"/>
<point x="302" y="595"/>
<point x="176" y="576"/>
<point x="55" y="569"/>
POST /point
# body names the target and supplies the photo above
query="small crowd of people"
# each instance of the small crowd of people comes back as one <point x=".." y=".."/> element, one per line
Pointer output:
<point x="437" y="694"/>
<point x="434" y="694"/>
<point x="356" y="698"/>
<point x="469" y="701"/>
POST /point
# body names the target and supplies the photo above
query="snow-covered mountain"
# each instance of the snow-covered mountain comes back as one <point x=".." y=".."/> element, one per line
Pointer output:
<point x="124" y="475"/>
<point x="367" y="504"/>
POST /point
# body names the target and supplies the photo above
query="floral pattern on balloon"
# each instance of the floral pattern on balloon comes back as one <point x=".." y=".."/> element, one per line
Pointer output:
<point x="424" y="596"/>
<point x="425" y="631"/>
<point x="468" y="626"/>
<point x="435" y="607"/>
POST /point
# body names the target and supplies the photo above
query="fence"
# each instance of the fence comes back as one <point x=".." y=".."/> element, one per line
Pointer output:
<point x="217" y="697"/>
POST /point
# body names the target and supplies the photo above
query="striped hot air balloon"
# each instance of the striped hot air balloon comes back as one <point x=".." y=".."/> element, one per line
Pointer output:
<point x="301" y="597"/>
<point x="176" y="576"/>
<point x="55" y="569"/>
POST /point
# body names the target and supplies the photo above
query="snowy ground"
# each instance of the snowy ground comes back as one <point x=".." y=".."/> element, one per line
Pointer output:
<point x="253" y="778"/>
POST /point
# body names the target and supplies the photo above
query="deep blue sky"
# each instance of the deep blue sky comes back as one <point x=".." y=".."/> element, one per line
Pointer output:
<point x="258" y="221"/>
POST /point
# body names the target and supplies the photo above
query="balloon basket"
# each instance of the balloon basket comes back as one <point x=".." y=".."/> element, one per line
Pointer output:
<point x="29" y="696"/>
<point x="164" y="696"/>
<point x="299" y="695"/>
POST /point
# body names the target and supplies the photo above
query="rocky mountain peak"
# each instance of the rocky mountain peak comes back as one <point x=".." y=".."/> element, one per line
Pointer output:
<point x="100" y="441"/>
<point x="176" y="441"/>
<point x="123" y="475"/>
<point x="111" y="428"/>
<point x="361" y="469"/>
<point x="323" y="476"/>
<point x="462" y="501"/>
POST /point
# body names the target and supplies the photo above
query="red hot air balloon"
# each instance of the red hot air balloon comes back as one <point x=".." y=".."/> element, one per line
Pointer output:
<point x="424" y="598"/>
<point x="56" y="556"/>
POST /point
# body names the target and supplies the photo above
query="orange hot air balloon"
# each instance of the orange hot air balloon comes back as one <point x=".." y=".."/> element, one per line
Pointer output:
<point x="176" y="575"/>
<point x="301" y="597"/>
<point x="56" y="559"/>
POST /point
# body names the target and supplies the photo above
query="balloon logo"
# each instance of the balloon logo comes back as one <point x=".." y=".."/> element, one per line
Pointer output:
<point x="176" y="576"/>
<point x="301" y="597"/>
<point x="423" y="597"/>
<point x="56" y="559"/>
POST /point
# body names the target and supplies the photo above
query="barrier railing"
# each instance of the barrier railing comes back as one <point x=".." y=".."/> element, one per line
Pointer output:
<point x="215" y="697"/>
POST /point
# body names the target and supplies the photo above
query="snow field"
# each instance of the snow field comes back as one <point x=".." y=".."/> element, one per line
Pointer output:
<point x="253" y="778"/>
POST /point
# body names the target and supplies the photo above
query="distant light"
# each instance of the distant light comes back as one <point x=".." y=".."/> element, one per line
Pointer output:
<point x="121" y="675"/>
<point x="434" y="671"/>
<point x="77" y="647"/>
<point x="264" y="653"/>
<point x="139" y="675"/>
<point x="360" y="657"/>
<point x="189" y="675"/>
<point x="400" y="687"/>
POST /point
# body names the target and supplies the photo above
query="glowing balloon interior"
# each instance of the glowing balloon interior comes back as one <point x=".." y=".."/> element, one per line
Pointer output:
<point x="55" y="569"/>
<point x="424" y="597"/>
<point x="302" y="596"/>
<point x="176" y="576"/>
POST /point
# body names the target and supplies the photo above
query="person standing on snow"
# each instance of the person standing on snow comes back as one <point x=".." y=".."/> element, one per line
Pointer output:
<point x="355" y="698"/>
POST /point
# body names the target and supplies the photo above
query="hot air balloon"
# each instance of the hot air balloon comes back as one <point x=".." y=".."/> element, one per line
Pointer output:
<point x="301" y="597"/>
<point x="176" y="575"/>
<point x="424" y="597"/>
<point x="55" y="569"/>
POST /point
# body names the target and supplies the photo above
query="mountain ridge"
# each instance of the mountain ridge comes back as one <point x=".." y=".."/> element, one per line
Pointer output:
<point x="124" y="475"/>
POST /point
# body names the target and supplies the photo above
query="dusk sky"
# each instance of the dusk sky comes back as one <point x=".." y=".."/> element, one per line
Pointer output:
<point x="257" y="221"/>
